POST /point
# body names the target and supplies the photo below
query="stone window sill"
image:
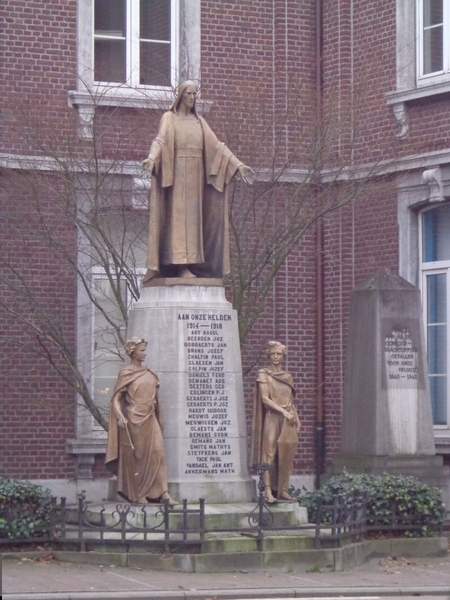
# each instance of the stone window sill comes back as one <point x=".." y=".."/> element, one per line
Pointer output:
<point x="85" y="450"/>
<point x="399" y="99"/>
<point x="442" y="441"/>
<point x="416" y="93"/>
<point x="86" y="102"/>
<point x="121" y="96"/>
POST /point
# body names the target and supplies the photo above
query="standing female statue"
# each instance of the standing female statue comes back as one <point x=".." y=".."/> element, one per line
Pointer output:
<point x="190" y="168"/>
<point x="135" y="450"/>
<point x="275" y="424"/>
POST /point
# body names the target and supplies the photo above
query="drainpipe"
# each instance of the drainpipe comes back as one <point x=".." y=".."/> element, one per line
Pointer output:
<point x="319" y="449"/>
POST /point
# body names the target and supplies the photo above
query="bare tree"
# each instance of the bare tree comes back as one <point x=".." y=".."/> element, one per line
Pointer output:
<point x="86" y="213"/>
<point x="310" y="168"/>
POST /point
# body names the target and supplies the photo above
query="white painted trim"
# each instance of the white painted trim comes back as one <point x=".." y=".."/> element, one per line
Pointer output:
<point x="414" y="195"/>
<point x="185" y="50"/>
<point x="44" y="163"/>
<point x="97" y="273"/>
<point x="410" y="85"/>
<point x="425" y="160"/>
<point x="406" y="44"/>
<point x="127" y="97"/>
<point x="415" y="93"/>
<point x="185" y="63"/>
<point x="435" y="268"/>
<point x="436" y="77"/>
<point x="132" y="39"/>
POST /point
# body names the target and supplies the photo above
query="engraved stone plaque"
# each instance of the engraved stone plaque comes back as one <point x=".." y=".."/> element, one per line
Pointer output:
<point x="193" y="347"/>
<point x="401" y="361"/>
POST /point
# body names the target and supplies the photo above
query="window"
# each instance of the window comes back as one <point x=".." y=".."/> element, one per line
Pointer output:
<point x="423" y="54"/>
<point x="136" y="42"/>
<point x="131" y="53"/>
<point x="112" y="251"/>
<point x="433" y="22"/>
<point x="436" y="295"/>
<point x="107" y="320"/>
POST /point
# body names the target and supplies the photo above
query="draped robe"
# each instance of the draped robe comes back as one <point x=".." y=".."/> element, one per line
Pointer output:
<point x="188" y="199"/>
<point x="274" y="441"/>
<point x="141" y="471"/>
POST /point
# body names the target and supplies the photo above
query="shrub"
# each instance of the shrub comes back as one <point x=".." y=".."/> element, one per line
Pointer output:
<point x="419" y="503"/>
<point x="24" y="509"/>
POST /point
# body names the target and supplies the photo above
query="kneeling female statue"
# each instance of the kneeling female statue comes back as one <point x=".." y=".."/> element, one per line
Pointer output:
<point x="135" y="450"/>
<point x="275" y="424"/>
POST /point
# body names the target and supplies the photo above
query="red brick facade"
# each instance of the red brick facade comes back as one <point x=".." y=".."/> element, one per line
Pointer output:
<point x="253" y="54"/>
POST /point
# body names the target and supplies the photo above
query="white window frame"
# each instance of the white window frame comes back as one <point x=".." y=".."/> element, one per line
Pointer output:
<point x="133" y="48"/>
<point x="424" y="183"/>
<point x="437" y="76"/>
<point x="89" y="94"/>
<point x="99" y="273"/>
<point x="410" y="84"/>
<point x="434" y="268"/>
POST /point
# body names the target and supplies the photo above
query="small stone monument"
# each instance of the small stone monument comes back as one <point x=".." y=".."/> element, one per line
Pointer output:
<point x="387" y="420"/>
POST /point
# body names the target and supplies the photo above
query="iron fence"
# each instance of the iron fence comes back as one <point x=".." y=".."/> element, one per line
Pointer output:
<point x="341" y="521"/>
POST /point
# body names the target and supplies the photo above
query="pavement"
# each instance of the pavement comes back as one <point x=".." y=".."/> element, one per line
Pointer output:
<point x="45" y="578"/>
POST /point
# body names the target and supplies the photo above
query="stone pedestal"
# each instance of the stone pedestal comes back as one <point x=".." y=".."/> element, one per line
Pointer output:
<point x="193" y="347"/>
<point x="387" y="421"/>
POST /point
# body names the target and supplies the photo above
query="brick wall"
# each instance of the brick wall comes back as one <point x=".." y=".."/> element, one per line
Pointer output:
<point x="38" y="65"/>
<point x="258" y="69"/>
<point x="37" y="404"/>
<point x="359" y="240"/>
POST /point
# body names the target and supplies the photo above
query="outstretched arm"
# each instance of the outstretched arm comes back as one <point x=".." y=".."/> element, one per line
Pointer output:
<point x="148" y="165"/>
<point x="247" y="174"/>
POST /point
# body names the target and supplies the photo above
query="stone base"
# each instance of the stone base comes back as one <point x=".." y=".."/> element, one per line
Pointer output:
<point x="170" y="281"/>
<point x="193" y="347"/>
<point x="231" y="491"/>
<point x="217" y="493"/>
<point x="96" y="490"/>
<point x="429" y="469"/>
<point x="282" y="554"/>
<point x="231" y="515"/>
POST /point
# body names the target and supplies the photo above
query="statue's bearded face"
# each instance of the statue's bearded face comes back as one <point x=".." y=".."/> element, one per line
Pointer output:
<point x="188" y="96"/>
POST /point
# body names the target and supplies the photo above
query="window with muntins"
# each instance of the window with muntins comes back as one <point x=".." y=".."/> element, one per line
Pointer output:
<point x="136" y="42"/>
<point x="108" y="355"/>
<point x="435" y="266"/>
<point x="433" y="35"/>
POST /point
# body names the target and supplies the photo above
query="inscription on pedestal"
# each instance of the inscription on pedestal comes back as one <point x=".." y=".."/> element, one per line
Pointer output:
<point x="210" y="449"/>
<point x="401" y="360"/>
<point x="402" y="390"/>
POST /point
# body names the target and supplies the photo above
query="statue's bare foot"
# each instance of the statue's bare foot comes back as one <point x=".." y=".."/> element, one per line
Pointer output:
<point x="285" y="496"/>
<point x="185" y="272"/>
<point x="268" y="496"/>
<point x="166" y="496"/>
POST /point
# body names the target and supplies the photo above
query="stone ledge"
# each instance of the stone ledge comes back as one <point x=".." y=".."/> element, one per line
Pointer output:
<point x="339" y="559"/>
<point x="171" y="281"/>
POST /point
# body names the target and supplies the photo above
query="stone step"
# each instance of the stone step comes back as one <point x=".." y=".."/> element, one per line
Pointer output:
<point x="217" y="516"/>
<point x="219" y="544"/>
<point x="277" y="542"/>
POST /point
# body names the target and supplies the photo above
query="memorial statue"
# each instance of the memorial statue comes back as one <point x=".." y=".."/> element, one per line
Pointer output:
<point x="275" y="425"/>
<point x="135" y="449"/>
<point x="191" y="169"/>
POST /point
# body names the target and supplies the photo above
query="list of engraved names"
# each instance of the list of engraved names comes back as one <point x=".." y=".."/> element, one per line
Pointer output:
<point x="401" y="359"/>
<point x="209" y="450"/>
